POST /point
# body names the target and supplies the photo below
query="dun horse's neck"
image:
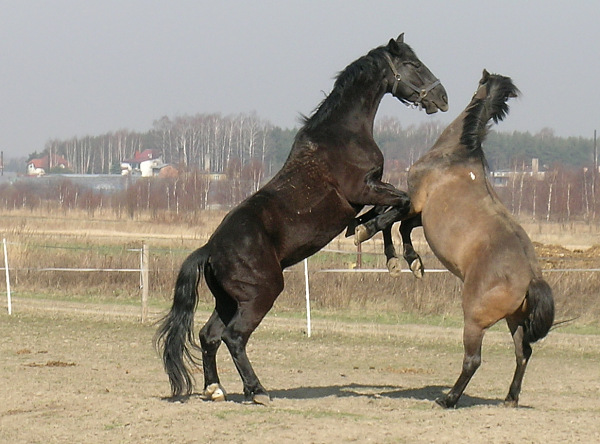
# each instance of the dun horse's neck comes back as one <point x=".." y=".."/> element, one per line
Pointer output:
<point x="450" y="147"/>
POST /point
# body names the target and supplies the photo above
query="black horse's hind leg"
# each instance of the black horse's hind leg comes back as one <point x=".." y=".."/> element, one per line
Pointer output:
<point x="255" y="297"/>
<point x="522" y="353"/>
<point x="210" y="340"/>
<point x="236" y="336"/>
<point x="472" y="338"/>
<point x="410" y="255"/>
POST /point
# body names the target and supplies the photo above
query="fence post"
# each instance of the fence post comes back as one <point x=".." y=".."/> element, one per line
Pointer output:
<point x="8" y="297"/>
<point x="145" y="282"/>
<point x="308" y="323"/>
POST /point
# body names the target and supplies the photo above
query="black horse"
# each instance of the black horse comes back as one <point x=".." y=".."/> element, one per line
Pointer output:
<point x="333" y="170"/>
<point x="474" y="236"/>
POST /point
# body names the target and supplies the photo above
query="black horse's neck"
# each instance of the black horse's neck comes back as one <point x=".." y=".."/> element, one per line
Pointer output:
<point x="356" y="94"/>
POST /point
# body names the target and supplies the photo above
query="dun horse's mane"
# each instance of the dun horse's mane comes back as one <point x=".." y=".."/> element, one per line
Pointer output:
<point x="480" y="111"/>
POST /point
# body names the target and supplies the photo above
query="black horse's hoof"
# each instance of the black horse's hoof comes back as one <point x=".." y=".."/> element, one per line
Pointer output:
<point x="361" y="234"/>
<point x="214" y="392"/>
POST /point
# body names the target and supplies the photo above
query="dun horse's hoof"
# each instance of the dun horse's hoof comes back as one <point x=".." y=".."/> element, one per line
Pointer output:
<point x="443" y="402"/>
<point x="417" y="268"/>
<point x="261" y="399"/>
<point x="258" y="398"/>
<point x="214" y="392"/>
<point x="394" y="267"/>
<point x="361" y="234"/>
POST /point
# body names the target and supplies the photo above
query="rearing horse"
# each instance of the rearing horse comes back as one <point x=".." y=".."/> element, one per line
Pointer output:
<point x="333" y="170"/>
<point x="474" y="236"/>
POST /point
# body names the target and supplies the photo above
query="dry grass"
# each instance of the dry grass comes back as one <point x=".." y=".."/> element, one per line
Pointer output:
<point x="42" y="240"/>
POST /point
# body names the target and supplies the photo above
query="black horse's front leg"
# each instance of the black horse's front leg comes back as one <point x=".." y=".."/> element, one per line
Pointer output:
<point x="368" y="229"/>
<point x="376" y="192"/>
<point x="372" y="213"/>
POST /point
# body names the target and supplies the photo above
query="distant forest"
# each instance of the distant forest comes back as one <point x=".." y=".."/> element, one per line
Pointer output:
<point x="226" y="144"/>
<point x="249" y="150"/>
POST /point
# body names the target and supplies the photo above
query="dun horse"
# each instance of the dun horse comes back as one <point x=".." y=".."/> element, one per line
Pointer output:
<point x="474" y="236"/>
<point x="333" y="170"/>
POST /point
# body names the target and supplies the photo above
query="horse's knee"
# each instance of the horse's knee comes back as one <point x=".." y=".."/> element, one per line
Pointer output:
<point x="471" y="363"/>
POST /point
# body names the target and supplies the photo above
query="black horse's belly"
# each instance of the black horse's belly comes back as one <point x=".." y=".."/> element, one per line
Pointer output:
<point x="297" y="224"/>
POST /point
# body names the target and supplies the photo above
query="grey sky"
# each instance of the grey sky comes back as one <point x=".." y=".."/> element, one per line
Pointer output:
<point x="75" y="68"/>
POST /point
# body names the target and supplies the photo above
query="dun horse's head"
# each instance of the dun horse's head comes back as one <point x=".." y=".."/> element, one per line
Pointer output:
<point x="410" y="81"/>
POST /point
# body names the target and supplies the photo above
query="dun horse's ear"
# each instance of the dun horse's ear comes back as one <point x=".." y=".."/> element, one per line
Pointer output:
<point x="484" y="77"/>
<point x="400" y="38"/>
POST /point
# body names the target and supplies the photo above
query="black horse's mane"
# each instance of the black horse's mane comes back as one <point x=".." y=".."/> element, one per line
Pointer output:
<point x="493" y="106"/>
<point x="363" y="71"/>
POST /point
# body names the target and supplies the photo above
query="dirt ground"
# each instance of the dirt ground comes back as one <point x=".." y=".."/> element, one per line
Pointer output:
<point x="75" y="372"/>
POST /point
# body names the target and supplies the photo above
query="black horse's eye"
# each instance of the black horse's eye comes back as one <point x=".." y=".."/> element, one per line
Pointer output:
<point x="414" y="64"/>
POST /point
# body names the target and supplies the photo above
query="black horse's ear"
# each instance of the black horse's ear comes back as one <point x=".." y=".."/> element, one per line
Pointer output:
<point x="394" y="45"/>
<point x="484" y="77"/>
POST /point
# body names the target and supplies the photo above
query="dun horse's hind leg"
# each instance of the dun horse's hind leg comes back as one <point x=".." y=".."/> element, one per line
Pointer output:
<point x="472" y="338"/>
<point x="522" y="353"/>
<point x="210" y="340"/>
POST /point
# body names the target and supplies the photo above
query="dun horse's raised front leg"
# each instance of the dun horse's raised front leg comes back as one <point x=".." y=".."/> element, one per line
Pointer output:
<point x="411" y="257"/>
<point x="393" y="263"/>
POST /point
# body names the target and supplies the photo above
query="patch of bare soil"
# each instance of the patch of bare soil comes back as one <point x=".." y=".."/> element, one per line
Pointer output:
<point x="74" y="373"/>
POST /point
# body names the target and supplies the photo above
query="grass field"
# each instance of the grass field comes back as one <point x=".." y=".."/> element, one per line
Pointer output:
<point x="78" y="366"/>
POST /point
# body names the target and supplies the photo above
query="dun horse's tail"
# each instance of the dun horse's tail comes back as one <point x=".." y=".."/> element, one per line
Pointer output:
<point x="488" y="103"/>
<point x="541" y="310"/>
<point x="175" y="336"/>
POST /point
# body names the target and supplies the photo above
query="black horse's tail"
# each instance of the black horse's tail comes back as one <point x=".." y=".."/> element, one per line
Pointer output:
<point x="490" y="106"/>
<point x="175" y="336"/>
<point x="541" y="310"/>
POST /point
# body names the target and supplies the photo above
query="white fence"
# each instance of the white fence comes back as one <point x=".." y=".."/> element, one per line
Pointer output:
<point x="143" y="271"/>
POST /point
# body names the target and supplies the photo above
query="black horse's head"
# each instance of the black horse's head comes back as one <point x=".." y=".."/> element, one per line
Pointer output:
<point x="411" y="81"/>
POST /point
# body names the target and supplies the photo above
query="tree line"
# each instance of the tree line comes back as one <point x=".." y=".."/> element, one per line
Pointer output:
<point x="216" y="143"/>
<point x="249" y="150"/>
